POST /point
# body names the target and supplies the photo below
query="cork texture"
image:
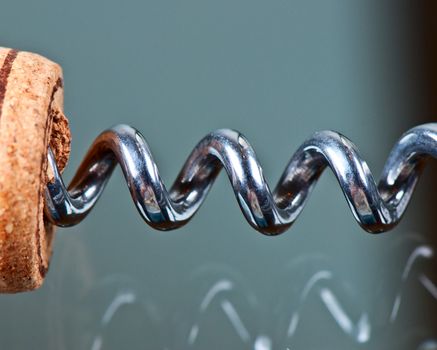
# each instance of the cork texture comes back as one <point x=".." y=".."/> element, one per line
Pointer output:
<point x="31" y="119"/>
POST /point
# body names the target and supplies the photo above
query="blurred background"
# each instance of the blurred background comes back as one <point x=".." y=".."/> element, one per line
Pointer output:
<point x="276" y="71"/>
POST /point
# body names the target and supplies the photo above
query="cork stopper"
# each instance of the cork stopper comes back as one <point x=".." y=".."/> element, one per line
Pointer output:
<point x="31" y="119"/>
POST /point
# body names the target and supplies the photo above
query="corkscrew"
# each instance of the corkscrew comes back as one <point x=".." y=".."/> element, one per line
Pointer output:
<point x="377" y="208"/>
<point x="35" y="145"/>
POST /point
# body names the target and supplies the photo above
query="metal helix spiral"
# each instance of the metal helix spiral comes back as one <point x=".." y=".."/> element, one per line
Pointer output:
<point x="376" y="207"/>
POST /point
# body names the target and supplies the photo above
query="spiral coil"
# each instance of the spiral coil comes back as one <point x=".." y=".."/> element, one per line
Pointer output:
<point x="376" y="207"/>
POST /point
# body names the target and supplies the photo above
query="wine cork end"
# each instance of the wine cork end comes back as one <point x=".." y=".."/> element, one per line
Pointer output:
<point x="31" y="120"/>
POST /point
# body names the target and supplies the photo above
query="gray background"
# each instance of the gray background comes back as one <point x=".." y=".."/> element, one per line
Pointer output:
<point x="277" y="71"/>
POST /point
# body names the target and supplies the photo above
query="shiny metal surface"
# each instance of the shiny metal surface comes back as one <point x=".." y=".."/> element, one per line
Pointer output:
<point x="377" y="208"/>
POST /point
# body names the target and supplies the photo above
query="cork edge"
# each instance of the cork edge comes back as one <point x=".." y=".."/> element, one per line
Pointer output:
<point x="56" y="133"/>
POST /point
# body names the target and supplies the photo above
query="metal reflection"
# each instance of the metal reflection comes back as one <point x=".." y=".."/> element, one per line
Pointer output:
<point x="359" y="331"/>
<point x="222" y="294"/>
<point x="423" y="251"/>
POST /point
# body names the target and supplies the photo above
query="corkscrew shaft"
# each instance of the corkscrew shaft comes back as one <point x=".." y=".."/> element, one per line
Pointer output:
<point x="377" y="208"/>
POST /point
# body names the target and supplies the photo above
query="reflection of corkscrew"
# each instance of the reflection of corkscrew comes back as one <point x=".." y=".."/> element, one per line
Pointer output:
<point x="339" y="300"/>
<point x="423" y="251"/>
<point x="364" y="329"/>
<point x="359" y="331"/>
<point x="260" y="342"/>
<point x="120" y="300"/>
<point x="225" y="297"/>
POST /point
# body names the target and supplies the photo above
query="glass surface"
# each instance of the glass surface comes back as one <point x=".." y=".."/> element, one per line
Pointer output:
<point x="276" y="71"/>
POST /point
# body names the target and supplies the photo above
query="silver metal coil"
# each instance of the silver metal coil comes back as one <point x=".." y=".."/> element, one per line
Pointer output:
<point x="377" y="208"/>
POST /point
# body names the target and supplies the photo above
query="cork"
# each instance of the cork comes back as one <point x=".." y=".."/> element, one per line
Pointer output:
<point x="31" y="119"/>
